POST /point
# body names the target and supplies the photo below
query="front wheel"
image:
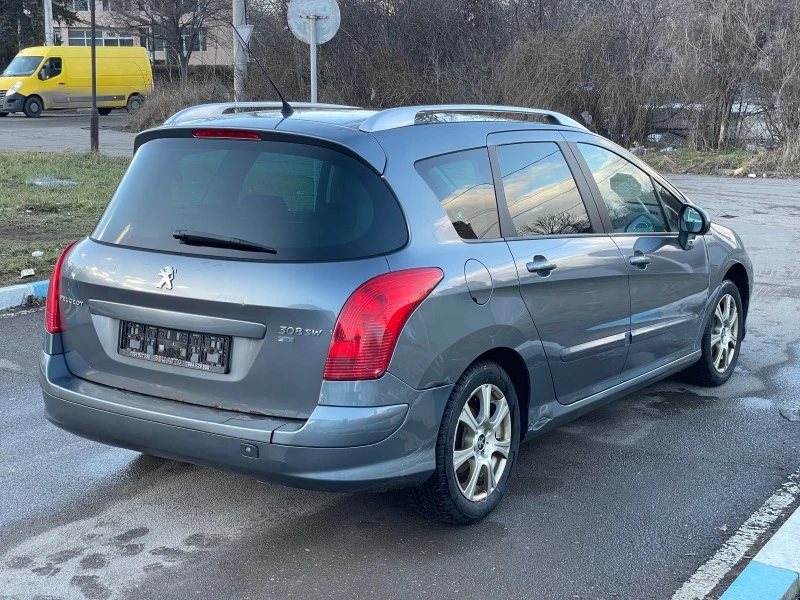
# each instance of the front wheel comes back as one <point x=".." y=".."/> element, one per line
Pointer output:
<point x="134" y="104"/>
<point x="476" y="448"/>
<point x="3" y="114"/>
<point x="721" y="339"/>
<point x="32" y="107"/>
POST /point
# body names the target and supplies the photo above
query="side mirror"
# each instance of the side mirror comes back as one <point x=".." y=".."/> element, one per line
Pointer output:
<point x="41" y="74"/>
<point x="692" y="221"/>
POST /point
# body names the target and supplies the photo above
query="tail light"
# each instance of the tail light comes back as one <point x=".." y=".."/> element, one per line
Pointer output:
<point x="52" y="310"/>
<point x="370" y="323"/>
<point x="227" y="134"/>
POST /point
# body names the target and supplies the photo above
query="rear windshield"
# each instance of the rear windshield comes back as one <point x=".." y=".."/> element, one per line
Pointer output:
<point x="308" y="203"/>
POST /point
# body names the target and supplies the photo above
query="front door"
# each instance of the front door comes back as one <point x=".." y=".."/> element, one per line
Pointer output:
<point x="53" y="83"/>
<point x="572" y="276"/>
<point x="669" y="285"/>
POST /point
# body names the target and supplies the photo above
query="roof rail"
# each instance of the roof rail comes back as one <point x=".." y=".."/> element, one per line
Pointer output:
<point x="393" y="118"/>
<point x="215" y="110"/>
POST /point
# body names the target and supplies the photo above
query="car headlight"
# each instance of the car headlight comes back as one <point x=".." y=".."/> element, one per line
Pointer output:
<point x="14" y="88"/>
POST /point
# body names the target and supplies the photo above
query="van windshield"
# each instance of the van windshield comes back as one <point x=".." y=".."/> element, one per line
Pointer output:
<point x="22" y="66"/>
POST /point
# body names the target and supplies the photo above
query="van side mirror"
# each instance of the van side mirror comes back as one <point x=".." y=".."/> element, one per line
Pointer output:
<point x="41" y="74"/>
<point x="692" y="221"/>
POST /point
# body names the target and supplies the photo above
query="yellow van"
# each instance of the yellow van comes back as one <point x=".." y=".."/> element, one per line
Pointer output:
<point x="57" y="77"/>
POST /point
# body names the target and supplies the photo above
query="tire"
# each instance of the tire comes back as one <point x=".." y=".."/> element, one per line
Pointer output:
<point x="444" y="497"/>
<point x="134" y="104"/>
<point x="33" y="107"/>
<point x="720" y="347"/>
<point x="104" y="112"/>
<point x="3" y="114"/>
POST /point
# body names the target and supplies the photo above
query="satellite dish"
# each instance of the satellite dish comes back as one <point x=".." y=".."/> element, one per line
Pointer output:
<point x="303" y="14"/>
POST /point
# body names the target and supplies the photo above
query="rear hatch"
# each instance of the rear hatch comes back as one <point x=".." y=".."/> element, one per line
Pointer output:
<point x="217" y="272"/>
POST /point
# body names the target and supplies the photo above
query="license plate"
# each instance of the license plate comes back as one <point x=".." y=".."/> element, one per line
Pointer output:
<point x="199" y="351"/>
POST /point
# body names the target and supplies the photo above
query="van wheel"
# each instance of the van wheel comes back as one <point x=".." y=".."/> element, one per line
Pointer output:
<point x="134" y="104"/>
<point x="476" y="448"/>
<point x="721" y="339"/>
<point x="3" y="114"/>
<point x="104" y="111"/>
<point x="32" y="107"/>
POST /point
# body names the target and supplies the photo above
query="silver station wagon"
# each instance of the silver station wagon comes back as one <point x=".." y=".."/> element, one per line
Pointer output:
<point x="344" y="299"/>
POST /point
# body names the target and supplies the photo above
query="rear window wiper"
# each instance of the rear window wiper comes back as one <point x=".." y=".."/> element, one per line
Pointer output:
<point x="211" y="240"/>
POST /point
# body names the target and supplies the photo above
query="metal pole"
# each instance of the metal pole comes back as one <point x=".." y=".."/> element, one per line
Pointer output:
<point x="94" y="126"/>
<point x="313" y="24"/>
<point x="239" y="56"/>
<point x="49" y="38"/>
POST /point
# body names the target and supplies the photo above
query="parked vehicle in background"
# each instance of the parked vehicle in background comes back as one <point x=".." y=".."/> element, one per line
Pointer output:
<point x="345" y="299"/>
<point x="58" y="77"/>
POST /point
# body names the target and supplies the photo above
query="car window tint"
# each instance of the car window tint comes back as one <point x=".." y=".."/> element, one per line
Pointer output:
<point x="671" y="206"/>
<point x="540" y="190"/>
<point x="462" y="182"/>
<point x="627" y="191"/>
<point x="308" y="202"/>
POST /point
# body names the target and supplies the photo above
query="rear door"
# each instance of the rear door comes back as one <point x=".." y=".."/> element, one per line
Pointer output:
<point x="216" y="326"/>
<point x="572" y="276"/>
<point x="669" y="285"/>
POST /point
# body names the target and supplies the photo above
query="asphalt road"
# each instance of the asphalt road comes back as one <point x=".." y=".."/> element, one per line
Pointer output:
<point x="60" y="131"/>
<point x="626" y="502"/>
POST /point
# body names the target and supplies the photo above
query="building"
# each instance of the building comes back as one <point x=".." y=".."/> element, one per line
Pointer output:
<point x="213" y="46"/>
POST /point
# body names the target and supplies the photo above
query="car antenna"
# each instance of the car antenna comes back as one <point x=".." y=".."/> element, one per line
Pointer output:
<point x="286" y="109"/>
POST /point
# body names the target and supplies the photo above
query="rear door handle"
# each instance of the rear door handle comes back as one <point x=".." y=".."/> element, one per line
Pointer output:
<point x="640" y="259"/>
<point x="541" y="266"/>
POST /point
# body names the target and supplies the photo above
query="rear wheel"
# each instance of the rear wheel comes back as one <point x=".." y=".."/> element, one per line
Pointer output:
<point x="721" y="339"/>
<point x="3" y="114"/>
<point x="134" y="104"/>
<point x="33" y="107"/>
<point x="476" y="448"/>
<point x="104" y="111"/>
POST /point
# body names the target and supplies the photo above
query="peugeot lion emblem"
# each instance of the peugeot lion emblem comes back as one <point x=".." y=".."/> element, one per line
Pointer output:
<point x="167" y="274"/>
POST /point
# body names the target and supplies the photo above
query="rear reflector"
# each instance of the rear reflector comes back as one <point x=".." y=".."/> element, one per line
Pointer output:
<point x="370" y="323"/>
<point x="52" y="309"/>
<point x="228" y="134"/>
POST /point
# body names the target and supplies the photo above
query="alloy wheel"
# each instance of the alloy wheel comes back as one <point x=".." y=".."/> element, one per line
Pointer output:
<point x="482" y="442"/>
<point x="724" y="333"/>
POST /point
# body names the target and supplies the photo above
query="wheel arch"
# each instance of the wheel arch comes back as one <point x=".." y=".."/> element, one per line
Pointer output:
<point x="738" y="275"/>
<point x="513" y="364"/>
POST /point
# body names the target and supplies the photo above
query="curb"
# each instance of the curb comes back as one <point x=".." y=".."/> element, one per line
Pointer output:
<point x="17" y="295"/>
<point x="774" y="573"/>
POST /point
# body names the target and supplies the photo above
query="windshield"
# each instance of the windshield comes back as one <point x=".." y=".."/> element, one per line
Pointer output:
<point x="22" y="66"/>
<point x="304" y="202"/>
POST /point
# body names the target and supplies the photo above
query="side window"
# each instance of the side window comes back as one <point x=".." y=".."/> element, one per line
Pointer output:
<point x="52" y="68"/>
<point x="671" y="206"/>
<point x="463" y="183"/>
<point x="540" y="191"/>
<point x="627" y="192"/>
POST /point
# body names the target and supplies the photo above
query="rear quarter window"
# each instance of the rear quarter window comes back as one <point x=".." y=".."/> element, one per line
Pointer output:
<point x="308" y="202"/>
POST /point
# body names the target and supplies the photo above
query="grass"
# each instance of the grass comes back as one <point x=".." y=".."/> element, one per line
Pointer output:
<point x="773" y="163"/>
<point x="47" y="219"/>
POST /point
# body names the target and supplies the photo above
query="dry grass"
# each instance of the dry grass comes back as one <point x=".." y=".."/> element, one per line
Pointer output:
<point x="171" y="98"/>
<point x="772" y="163"/>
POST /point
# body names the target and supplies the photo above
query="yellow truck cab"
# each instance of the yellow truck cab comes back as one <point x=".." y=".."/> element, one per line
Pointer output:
<point x="58" y="77"/>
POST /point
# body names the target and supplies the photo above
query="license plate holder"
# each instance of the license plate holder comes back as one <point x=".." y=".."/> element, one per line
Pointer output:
<point x="176" y="347"/>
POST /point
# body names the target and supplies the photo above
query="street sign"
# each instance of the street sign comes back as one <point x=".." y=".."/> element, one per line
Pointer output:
<point x="314" y="22"/>
<point x="244" y="31"/>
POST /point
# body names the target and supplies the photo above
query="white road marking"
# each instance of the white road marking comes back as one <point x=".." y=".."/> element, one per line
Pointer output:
<point x="19" y="313"/>
<point x="711" y="573"/>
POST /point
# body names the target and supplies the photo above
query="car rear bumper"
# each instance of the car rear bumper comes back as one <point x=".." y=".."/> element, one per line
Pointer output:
<point x="400" y="448"/>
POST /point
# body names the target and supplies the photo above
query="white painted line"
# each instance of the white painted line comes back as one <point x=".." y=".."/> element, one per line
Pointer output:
<point x="18" y="313"/>
<point x="711" y="573"/>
